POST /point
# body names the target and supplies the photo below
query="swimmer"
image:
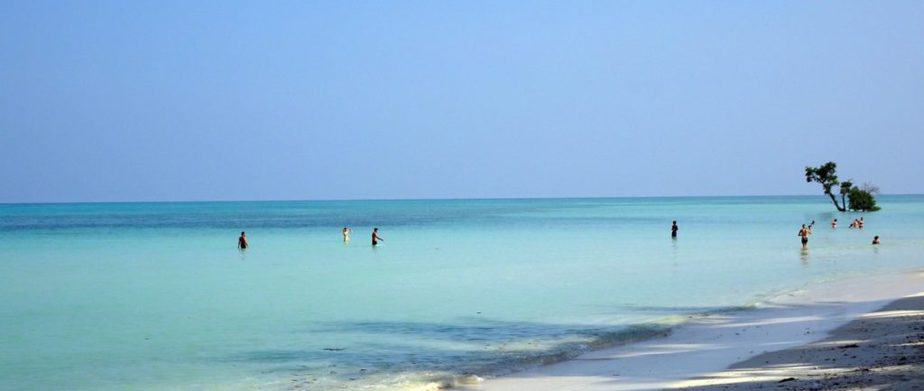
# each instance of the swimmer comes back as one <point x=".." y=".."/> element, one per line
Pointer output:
<point x="242" y="241"/>
<point x="346" y="234"/>
<point x="834" y="224"/>
<point x="804" y="234"/>
<point x="876" y="240"/>
<point x="674" y="229"/>
<point x="860" y="223"/>
<point x="375" y="237"/>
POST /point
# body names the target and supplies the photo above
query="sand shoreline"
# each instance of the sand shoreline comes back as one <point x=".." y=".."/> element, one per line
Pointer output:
<point x="881" y="349"/>
<point x="707" y="352"/>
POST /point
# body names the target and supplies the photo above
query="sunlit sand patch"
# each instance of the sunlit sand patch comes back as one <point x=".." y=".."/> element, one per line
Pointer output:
<point x="772" y="321"/>
<point x="910" y="344"/>
<point x="749" y="375"/>
<point x="665" y="349"/>
<point x="890" y="314"/>
<point x="838" y="343"/>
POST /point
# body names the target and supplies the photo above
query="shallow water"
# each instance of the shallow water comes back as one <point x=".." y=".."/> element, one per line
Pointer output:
<point x="155" y="295"/>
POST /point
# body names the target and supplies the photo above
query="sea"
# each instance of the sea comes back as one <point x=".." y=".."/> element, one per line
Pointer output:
<point x="114" y="296"/>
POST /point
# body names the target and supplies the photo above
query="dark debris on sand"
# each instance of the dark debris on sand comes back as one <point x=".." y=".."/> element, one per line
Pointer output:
<point x="881" y="351"/>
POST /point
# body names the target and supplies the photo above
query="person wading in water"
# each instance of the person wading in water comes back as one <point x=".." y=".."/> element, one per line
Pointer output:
<point x="804" y="234"/>
<point x="242" y="241"/>
<point x="375" y="237"/>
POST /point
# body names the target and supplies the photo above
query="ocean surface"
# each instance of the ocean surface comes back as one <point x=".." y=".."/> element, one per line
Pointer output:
<point x="156" y="295"/>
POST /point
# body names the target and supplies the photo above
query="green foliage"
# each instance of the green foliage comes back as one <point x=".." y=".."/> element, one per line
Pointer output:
<point x="862" y="200"/>
<point x="826" y="175"/>
<point x="845" y="187"/>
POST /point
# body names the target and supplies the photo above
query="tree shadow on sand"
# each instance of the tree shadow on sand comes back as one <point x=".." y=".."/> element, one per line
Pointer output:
<point x="880" y="350"/>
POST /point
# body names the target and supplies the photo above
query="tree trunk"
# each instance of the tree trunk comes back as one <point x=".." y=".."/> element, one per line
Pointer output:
<point x="844" y="201"/>
<point x="834" y="200"/>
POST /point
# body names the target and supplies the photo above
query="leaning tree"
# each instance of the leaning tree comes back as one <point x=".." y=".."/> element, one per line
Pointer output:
<point x="861" y="199"/>
<point x="826" y="175"/>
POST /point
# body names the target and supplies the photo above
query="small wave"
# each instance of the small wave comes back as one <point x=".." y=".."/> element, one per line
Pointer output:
<point x="468" y="374"/>
<point x="597" y="340"/>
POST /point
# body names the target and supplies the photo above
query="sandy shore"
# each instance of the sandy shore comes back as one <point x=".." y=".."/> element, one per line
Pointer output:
<point x="881" y="349"/>
<point x="859" y="332"/>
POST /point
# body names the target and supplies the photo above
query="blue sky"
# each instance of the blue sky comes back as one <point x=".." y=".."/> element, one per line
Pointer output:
<point x="159" y="100"/>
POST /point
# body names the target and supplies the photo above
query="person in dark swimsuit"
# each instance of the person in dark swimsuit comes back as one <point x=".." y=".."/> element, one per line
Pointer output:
<point x="804" y="234"/>
<point x="674" y="230"/>
<point x="375" y="237"/>
<point x="876" y="239"/>
<point x="242" y="241"/>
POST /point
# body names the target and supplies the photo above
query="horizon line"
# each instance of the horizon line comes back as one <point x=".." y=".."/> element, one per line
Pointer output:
<point x="424" y="199"/>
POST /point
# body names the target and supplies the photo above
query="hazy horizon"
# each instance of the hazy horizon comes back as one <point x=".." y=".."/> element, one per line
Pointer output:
<point x="824" y="199"/>
<point x="168" y="101"/>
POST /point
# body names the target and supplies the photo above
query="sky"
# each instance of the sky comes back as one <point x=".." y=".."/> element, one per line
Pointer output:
<point x="226" y="100"/>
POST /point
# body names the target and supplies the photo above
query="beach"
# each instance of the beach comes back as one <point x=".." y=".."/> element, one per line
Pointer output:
<point x="853" y="333"/>
<point x="881" y="349"/>
<point x="479" y="196"/>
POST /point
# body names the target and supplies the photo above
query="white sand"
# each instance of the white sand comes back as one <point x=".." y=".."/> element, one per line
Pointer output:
<point x="698" y="353"/>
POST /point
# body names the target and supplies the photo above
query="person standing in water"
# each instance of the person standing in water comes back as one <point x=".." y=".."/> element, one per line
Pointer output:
<point x="804" y="234"/>
<point x="860" y="223"/>
<point x="346" y="234"/>
<point x="876" y="239"/>
<point x="674" y="230"/>
<point x="242" y="241"/>
<point x="375" y="237"/>
<point x="834" y="224"/>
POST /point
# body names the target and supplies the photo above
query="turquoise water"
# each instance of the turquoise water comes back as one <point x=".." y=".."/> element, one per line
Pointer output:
<point x="156" y="295"/>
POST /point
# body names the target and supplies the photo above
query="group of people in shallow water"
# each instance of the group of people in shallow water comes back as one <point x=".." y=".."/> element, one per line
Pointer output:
<point x="857" y="223"/>
<point x="806" y="230"/>
<point x="347" y="231"/>
<point x="804" y="233"/>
